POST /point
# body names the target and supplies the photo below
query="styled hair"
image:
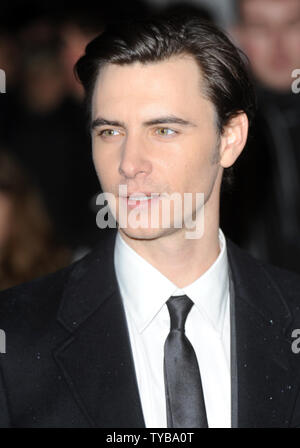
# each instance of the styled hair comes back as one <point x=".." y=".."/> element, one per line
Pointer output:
<point x="223" y="66"/>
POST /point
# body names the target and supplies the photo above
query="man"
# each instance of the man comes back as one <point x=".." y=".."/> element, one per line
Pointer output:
<point x="269" y="33"/>
<point x="158" y="327"/>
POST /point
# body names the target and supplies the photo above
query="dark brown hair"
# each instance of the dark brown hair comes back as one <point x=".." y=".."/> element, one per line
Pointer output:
<point x="224" y="67"/>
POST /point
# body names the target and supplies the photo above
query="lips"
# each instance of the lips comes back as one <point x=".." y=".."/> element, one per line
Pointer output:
<point x="140" y="199"/>
<point x="140" y="195"/>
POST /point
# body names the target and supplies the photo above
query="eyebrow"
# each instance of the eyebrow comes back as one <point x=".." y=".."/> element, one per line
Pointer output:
<point x="169" y="119"/>
<point x="103" y="122"/>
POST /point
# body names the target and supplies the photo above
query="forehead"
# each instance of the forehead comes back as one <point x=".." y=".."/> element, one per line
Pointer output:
<point x="171" y="85"/>
<point x="277" y="10"/>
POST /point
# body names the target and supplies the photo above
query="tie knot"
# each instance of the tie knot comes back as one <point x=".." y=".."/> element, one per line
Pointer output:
<point x="179" y="307"/>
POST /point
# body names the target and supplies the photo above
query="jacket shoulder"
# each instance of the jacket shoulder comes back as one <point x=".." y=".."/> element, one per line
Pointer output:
<point x="286" y="282"/>
<point x="33" y="301"/>
<point x="39" y="300"/>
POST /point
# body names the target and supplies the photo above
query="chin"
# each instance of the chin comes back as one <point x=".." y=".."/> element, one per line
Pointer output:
<point x="146" y="233"/>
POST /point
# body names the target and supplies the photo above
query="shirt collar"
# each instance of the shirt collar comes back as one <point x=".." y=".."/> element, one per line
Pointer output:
<point x="145" y="290"/>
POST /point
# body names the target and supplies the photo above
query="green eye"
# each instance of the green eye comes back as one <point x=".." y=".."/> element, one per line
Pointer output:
<point x="109" y="132"/>
<point x="165" y="131"/>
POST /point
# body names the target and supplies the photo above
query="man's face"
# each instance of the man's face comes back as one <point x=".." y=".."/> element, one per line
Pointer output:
<point x="270" y="36"/>
<point x="161" y="137"/>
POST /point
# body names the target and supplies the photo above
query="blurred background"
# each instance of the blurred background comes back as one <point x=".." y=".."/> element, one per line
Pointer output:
<point x="47" y="181"/>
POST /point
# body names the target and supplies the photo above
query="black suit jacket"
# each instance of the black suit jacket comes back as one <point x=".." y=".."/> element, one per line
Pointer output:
<point x="68" y="361"/>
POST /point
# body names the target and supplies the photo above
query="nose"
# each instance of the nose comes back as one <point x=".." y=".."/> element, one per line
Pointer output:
<point x="134" y="160"/>
<point x="278" y="40"/>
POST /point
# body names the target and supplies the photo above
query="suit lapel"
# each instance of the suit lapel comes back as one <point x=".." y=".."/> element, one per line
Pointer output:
<point x="96" y="359"/>
<point x="266" y="383"/>
<point x="97" y="363"/>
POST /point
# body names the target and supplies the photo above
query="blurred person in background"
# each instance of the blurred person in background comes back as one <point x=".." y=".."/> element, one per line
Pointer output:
<point x="44" y="130"/>
<point x="43" y="123"/>
<point x="28" y="248"/>
<point x="9" y="57"/>
<point x="267" y="176"/>
<point x="76" y="30"/>
<point x="269" y="32"/>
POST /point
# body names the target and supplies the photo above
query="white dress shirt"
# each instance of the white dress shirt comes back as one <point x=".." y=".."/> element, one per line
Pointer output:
<point x="144" y="291"/>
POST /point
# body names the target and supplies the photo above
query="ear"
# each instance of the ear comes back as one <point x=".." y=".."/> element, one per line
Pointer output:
<point x="233" y="139"/>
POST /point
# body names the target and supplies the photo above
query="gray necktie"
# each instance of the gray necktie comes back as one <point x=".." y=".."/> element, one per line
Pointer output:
<point x="184" y="394"/>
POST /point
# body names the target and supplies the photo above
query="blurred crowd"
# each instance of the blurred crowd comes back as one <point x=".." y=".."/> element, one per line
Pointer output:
<point x="48" y="184"/>
<point x="47" y="181"/>
<point x="262" y="211"/>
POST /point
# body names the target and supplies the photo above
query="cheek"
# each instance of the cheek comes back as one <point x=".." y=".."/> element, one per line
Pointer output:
<point x="258" y="49"/>
<point x="97" y="161"/>
<point x="196" y="171"/>
<point x="292" y="47"/>
<point x="257" y="46"/>
<point x="105" y="166"/>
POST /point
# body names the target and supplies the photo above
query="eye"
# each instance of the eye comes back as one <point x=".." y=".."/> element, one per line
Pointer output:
<point x="109" y="132"/>
<point x="165" y="132"/>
